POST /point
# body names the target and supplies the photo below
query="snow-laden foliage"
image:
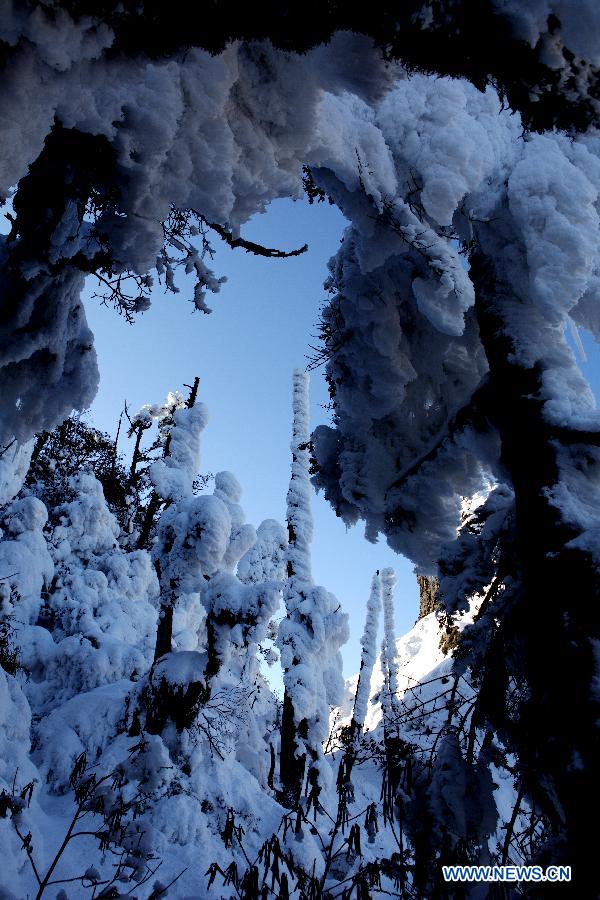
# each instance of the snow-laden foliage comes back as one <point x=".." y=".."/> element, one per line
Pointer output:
<point x="178" y="758"/>
<point x="406" y="355"/>
<point x="266" y="559"/>
<point x="173" y="477"/>
<point x="98" y="618"/>
<point x="472" y="251"/>
<point x="219" y="136"/>
<point x="79" y="623"/>
<point x="211" y="622"/>
<point x="26" y="564"/>
<point x="121" y="160"/>
<point x="448" y="376"/>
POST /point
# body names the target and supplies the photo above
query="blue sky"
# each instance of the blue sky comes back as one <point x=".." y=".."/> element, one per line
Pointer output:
<point x="244" y="353"/>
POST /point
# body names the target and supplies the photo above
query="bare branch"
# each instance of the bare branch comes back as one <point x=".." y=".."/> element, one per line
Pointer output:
<point x="252" y="247"/>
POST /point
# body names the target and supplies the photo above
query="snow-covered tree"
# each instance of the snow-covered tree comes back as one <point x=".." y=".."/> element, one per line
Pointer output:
<point x="73" y="447"/>
<point x="368" y="655"/>
<point x="500" y="400"/>
<point x="136" y="136"/>
<point x="119" y="199"/>
<point x="388" y="649"/>
<point x="78" y="619"/>
<point x="205" y="695"/>
<point x="178" y="557"/>
<point x="313" y="630"/>
<point x="98" y="620"/>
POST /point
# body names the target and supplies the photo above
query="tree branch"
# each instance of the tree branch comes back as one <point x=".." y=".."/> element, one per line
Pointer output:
<point x="464" y="417"/>
<point x="251" y="247"/>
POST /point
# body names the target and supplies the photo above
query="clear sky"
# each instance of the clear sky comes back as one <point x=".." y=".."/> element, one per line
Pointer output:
<point x="244" y="353"/>
<point x="263" y="322"/>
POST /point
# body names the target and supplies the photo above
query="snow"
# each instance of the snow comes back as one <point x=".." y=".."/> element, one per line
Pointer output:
<point x="181" y="668"/>
<point x="87" y="675"/>
<point x="173" y="476"/>
<point x="265" y="560"/>
<point x="14" y="464"/>
<point x="579" y="23"/>
<point x="25" y="564"/>
<point x="87" y="525"/>
<point x="369" y="652"/>
<point x="423" y="168"/>
<point x="415" y="164"/>
<point x="446" y="136"/>
<point x="299" y="515"/>
<point x="405" y="350"/>
<point x="403" y="302"/>
<point x="84" y="724"/>
<point x="314" y="629"/>
<point x="388" y="650"/>
<point x="553" y="193"/>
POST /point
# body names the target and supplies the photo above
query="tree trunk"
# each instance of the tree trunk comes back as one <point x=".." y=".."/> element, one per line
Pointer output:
<point x="553" y="617"/>
<point x="291" y="766"/>
<point x="428" y="595"/>
<point x="164" y="631"/>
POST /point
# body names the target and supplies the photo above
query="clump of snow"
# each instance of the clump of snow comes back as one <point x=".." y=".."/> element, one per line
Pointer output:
<point x="26" y="567"/>
<point x="266" y="559"/>
<point x="87" y="525"/>
<point x="182" y="668"/>
<point x="173" y="476"/>
<point x="14" y="463"/>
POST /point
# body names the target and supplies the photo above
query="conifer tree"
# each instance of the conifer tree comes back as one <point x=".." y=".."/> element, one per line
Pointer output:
<point x="173" y="479"/>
